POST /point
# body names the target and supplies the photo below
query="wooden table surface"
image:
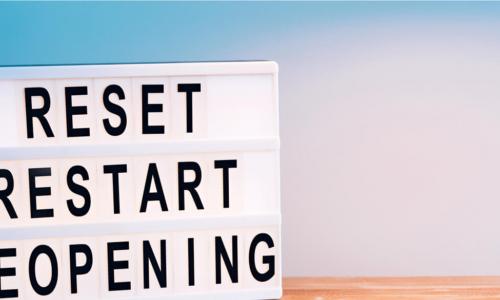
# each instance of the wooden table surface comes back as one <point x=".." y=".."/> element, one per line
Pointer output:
<point x="323" y="288"/>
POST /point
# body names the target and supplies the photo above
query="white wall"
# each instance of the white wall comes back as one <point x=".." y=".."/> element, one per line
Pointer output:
<point x="391" y="149"/>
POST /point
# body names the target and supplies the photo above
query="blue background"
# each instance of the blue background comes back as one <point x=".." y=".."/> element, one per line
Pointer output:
<point x="91" y="32"/>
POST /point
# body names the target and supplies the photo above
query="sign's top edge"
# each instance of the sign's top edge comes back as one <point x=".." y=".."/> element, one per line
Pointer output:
<point x="138" y="70"/>
<point x="136" y="63"/>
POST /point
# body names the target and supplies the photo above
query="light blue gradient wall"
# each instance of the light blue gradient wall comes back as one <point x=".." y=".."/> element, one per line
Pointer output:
<point x="389" y="115"/>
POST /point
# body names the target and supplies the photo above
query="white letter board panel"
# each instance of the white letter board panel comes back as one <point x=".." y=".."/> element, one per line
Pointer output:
<point x="140" y="181"/>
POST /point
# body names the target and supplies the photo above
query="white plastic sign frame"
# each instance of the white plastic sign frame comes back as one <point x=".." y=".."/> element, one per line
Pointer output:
<point x="140" y="181"/>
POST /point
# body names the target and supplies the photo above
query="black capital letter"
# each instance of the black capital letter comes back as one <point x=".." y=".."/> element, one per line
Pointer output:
<point x="38" y="113"/>
<point x="4" y="194"/>
<point x="115" y="109"/>
<point x="79" y="270"/>
<point x="220" y="250"/>
<point x="191" y="261"/>
<point x="35" y="191"/>
<point x="189" y="89"/>
<point x="152" y="175"/>
<point x="189" y="186"/>
<point x="75" y="110"/>
<point x="43" y="290"/>
<point x="147" y="108"/>
<point x="115" y="265"/>
<point x="4" y="272"/>
<point x="268" y="259"/>
<point x="149" y="257"/>
<point x="225" y="165"/>
<point x="79" y="190"/>
<point x="115" y="170"/>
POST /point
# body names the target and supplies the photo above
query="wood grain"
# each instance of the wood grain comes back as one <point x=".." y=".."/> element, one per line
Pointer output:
<point x="405" y="288"/>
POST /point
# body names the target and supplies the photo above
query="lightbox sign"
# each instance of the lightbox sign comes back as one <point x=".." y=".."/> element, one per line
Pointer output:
<point x="150" y="181"/>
